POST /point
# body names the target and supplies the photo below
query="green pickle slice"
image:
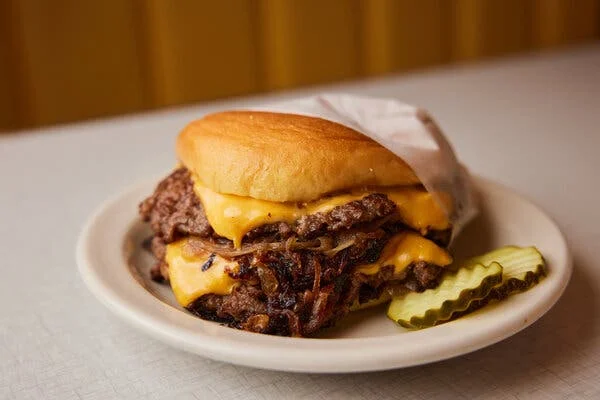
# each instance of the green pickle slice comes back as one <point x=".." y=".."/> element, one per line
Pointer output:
<point x="523" y="268"/>
<point x="455" y="293"/>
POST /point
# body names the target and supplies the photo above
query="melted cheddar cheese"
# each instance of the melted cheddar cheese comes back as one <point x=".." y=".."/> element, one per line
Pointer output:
<point x="233" y="216"/>
<point x="404" y="249"/>
<point x="189" y="282"/>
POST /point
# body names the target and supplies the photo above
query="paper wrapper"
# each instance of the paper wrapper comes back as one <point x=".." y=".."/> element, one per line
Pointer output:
<point x="407" y="131"/>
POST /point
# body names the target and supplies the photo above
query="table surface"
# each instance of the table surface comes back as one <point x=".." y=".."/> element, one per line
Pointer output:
<point x="530" y="122"/>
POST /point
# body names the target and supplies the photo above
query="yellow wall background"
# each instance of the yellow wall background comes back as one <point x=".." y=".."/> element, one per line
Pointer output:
<point x="67" y="60"/>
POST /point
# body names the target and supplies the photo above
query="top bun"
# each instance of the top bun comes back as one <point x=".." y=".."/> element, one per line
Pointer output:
<point x="285" y="157"/>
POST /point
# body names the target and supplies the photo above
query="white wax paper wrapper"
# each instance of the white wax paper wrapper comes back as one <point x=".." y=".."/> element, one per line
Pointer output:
<point x="407" y="131"/>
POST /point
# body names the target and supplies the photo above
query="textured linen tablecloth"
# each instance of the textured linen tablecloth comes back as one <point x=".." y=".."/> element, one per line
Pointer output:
<point x="531" y="122"/>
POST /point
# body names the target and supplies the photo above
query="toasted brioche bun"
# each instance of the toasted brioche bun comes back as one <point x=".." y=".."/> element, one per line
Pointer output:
<point x="285" y="157"/>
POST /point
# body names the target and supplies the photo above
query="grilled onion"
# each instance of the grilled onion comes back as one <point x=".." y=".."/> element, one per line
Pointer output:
<point x="195" y="246"/>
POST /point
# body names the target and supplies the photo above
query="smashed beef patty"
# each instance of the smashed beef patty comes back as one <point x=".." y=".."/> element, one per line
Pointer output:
<point x="174" y="211"/>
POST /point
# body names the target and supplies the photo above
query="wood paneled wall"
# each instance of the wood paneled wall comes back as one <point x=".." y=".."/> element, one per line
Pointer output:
<point x="66" y="60"/>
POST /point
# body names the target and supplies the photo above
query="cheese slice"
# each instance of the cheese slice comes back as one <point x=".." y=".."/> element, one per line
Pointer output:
<point x="233" y="216"/>
<point x="189" y="282"/>
<point x="188" y="279"/>
<point x="404" y="249"/>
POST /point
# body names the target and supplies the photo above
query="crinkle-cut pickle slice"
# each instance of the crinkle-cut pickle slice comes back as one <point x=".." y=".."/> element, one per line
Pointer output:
<point x="455" y="293"/>
<point x="522" y="268"/>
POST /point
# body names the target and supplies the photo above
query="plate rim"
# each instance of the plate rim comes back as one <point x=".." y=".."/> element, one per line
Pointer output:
<point x="258" y="349"/>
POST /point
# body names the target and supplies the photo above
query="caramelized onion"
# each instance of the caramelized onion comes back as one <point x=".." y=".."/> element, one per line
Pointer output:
<point x="322" y="244"/>
<point x="195" y="246"/>
<point x="317" y="280"/>
<point x="319" y="309"/>
<point x="268" y="280"/>
<point x="293" y="323"/>
<point x="344" y="245"/>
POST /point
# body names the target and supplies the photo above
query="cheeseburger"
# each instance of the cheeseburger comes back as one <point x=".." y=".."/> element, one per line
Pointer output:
<point x="282" y="224"/>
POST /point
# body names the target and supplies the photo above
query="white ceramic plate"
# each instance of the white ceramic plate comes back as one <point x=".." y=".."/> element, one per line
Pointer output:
<point x="115" y="268"/>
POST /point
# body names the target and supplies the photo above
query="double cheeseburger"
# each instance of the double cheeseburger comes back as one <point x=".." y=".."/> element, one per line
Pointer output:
<point x="282" y="224"/>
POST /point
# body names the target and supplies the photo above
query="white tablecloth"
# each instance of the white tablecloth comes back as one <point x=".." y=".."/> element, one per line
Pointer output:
<point x="531" y="122"/>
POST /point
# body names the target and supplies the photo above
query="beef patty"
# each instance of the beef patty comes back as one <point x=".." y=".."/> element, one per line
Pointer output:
<point x="290" y="292"/>
<point x="174" y="211"/>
